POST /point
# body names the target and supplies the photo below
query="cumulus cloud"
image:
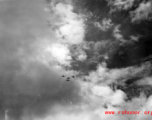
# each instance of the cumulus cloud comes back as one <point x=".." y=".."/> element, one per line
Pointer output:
<point x="69" y="29"/>
<point x="60" y="53"/>
<point x="70" y="26"/>
<point x="101" y="98"/>
<point x="106" y="76"/>
<point x="143" y="12"/>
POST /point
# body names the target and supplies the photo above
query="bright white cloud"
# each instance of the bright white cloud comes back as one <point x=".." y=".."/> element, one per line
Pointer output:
<point x="59" y="52"/>
<point x="82" y="57"/>
<point x="143" y="12"/>
<point x="71" y="28"/>
<point x="47" y="52"/>
<point x="101" y="90"/>
<point x="118" y="98"/>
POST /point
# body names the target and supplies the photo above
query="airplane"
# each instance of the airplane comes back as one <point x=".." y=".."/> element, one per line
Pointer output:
<point x="73" y="76"/>
<point x="63" y="76"/>
<point x="68" y="79"/>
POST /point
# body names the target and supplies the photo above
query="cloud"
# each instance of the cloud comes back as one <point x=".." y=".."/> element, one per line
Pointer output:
<point x="60" y="53"/>
<point x="117" y="33"/>
<point x="69" y="29"/>
<point x="30" y="70"/>
<point x="134" y="38"/>
<point x="107" y="76"/>
<point x="118" y="5"/>
<point x="67" y="116"/>
<point x="103" y="98"/>
<point x="70" y="26"/>
<point x="100" y="97"/>
<point x="105" y="25"/>
<point x="90" y="109"/>
<point x="143" y="12"/>
<point x="47" y="96"/>
<point x="82" y="57"/>
<point x="118" y="36"/>
<point x="98" y="90"/>
<point x="145" y="81"/>
<point x="95" y="91"/>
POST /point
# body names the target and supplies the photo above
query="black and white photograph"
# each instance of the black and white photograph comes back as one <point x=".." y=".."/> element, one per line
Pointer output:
<point x="75" y="59"/>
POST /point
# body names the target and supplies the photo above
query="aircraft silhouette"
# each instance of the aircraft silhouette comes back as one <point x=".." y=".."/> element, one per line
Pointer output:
<point x="63" y="76"/>
<point x="73" y="76"/>
<point x="68" y="78"/>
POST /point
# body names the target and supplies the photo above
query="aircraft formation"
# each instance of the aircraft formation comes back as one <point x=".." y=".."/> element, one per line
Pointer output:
<point x="68" y="78"/>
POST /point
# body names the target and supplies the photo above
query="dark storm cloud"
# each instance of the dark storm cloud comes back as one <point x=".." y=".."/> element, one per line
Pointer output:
<point x="133" y="39"/>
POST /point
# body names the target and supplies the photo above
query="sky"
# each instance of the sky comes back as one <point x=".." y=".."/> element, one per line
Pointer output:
<point x="75" y="59"/>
